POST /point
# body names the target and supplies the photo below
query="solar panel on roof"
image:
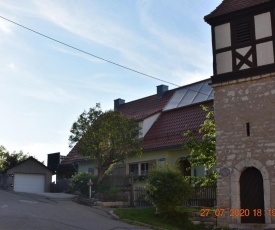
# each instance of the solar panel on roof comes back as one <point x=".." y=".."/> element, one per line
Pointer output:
<point x="175" y="99"/>
<point x="191" y="94"/>
<point x="188" y="98"/>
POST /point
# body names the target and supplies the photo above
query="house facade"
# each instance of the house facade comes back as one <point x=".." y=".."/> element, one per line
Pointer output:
<point x="163" y="118"/>
<point x="244" y="85"/>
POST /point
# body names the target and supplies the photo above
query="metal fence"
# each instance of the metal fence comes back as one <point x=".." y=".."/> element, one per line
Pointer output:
<point x="116" y="181"/>
<point x="60" y="185"/>
<point x="203" y="196"/>
<point x="138" y="194"/>
<point x="6" y="181"/>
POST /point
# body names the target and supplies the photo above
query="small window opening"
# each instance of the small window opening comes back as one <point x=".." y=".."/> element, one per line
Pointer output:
<point x="243" y="32"/>
<point x="248" y="129"/>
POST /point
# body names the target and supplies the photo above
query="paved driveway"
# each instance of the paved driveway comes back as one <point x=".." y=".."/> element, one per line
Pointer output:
<point x="22" y="211"/>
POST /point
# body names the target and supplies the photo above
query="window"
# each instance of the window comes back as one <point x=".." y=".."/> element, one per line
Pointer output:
<point x="139" y="169"/>
<point x="144" y="169"/>
<point x="91" y="170"/>
<point x="185" y="167"/>
<point x="133" y="169"/>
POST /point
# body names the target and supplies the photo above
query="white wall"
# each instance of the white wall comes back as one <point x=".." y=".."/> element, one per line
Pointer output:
<point x="224" y="62"/>
<point x="147" y="123"/>
<point x="263" y="25"/>
<point x="265" y="54"/>
<point x="223" y="36"/>
<point x="85" y="165"/>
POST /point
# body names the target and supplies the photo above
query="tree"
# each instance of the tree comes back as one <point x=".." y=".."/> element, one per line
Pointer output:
<point x="105" y="137"/>
<point x="8" y="160"/>
<point x="202" y="146"/>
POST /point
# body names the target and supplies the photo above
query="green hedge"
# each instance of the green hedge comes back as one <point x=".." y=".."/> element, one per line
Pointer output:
<point x="79" y="183"/>
<point x="166" y="189"/>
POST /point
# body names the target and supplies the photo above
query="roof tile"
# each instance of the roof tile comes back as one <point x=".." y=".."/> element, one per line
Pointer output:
<point x="73" y="156"/>
<point x="230" y="6"/>
<point x="144" y="107"/>
<point x="167" y="130"/>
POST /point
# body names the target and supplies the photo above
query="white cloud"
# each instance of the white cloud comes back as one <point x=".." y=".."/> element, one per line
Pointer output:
<point x="86" y="24"/>
<point x="92" y="26"/>
<point x="5" y="26"/>
<point x="49" y="93"/>
<point x="26" y="84"/>
<point x="186" y="59"/>
<point x="12" y="66"/>
<point x="108" y="89"/>
<point x="63" y="132"/>
<point x="176" y="47"/>
<point x="76" y="53"/>
<point x="188" y="77"/>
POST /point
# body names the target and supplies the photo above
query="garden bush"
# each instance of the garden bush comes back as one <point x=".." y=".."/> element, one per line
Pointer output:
<point x="79" y="183"/>
<point x="166" y="189"/>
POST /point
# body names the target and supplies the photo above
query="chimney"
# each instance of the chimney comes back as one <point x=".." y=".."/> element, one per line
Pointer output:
<point x="118" y="102"/>
<point x="161" y="89"/>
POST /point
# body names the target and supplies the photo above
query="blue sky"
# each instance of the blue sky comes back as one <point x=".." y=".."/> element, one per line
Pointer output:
<point x="45" y="86"/>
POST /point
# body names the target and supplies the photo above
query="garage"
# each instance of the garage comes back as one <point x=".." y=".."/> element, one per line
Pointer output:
<point x="30" y="176"/>
<point x="29" y="183"/>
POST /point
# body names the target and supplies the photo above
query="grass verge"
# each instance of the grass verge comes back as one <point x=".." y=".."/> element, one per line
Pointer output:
<point x="174" y="221"/>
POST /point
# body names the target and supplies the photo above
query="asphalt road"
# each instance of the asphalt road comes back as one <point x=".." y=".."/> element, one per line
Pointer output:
<point x="22" y="211"/>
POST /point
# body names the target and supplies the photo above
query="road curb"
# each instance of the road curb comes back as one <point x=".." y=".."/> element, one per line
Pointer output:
<point x="113" y="215"/>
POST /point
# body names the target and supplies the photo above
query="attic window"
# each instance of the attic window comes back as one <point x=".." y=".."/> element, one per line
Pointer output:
<point x="243" y="32"/>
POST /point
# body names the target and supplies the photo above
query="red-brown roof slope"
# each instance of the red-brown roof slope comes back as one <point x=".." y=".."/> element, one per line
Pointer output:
<point x="73" y="156"/>
<point x="167" y="130"/>
<point x="230" y="6"/>
<point x="144" y="107"/>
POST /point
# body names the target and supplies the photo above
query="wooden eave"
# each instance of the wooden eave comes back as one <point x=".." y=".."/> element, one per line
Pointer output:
<point x="258" y="9"/>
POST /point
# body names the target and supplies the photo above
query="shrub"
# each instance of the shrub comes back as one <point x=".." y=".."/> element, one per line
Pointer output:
<point x="79" y="183"/>
<point x="113" y="191"/>
<point x="166" y="189"/>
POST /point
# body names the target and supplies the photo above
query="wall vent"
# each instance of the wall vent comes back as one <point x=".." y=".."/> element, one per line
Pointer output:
<point x="243" y="32"/>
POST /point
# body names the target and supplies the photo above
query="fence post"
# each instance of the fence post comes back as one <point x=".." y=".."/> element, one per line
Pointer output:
<point x="132" y="190"/>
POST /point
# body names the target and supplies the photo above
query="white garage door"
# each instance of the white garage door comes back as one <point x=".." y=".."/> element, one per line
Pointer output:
<point x="29" y="183"/>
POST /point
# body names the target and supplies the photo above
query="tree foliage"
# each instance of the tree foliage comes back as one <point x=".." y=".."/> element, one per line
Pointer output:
<point x="8" y="160"/>
<point x="105" y="137"/>
<point x="166" y="189"/>
<point x="202" y="146"/>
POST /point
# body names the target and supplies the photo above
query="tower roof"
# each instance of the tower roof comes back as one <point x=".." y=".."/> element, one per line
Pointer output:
<point x="231" y="6"/>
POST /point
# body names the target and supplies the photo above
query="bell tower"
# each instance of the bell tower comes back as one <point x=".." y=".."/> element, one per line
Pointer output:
<point x="243" y="36"/>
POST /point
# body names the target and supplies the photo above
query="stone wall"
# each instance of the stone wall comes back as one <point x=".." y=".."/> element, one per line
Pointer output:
<point x="237" y="103"/>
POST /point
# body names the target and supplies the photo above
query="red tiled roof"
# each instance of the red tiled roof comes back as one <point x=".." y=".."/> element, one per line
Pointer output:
<point x="144" y="107"/>
<point x="73" y="156"/>
<point x="167" y="130"/>
<point x="230" y="6"/>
